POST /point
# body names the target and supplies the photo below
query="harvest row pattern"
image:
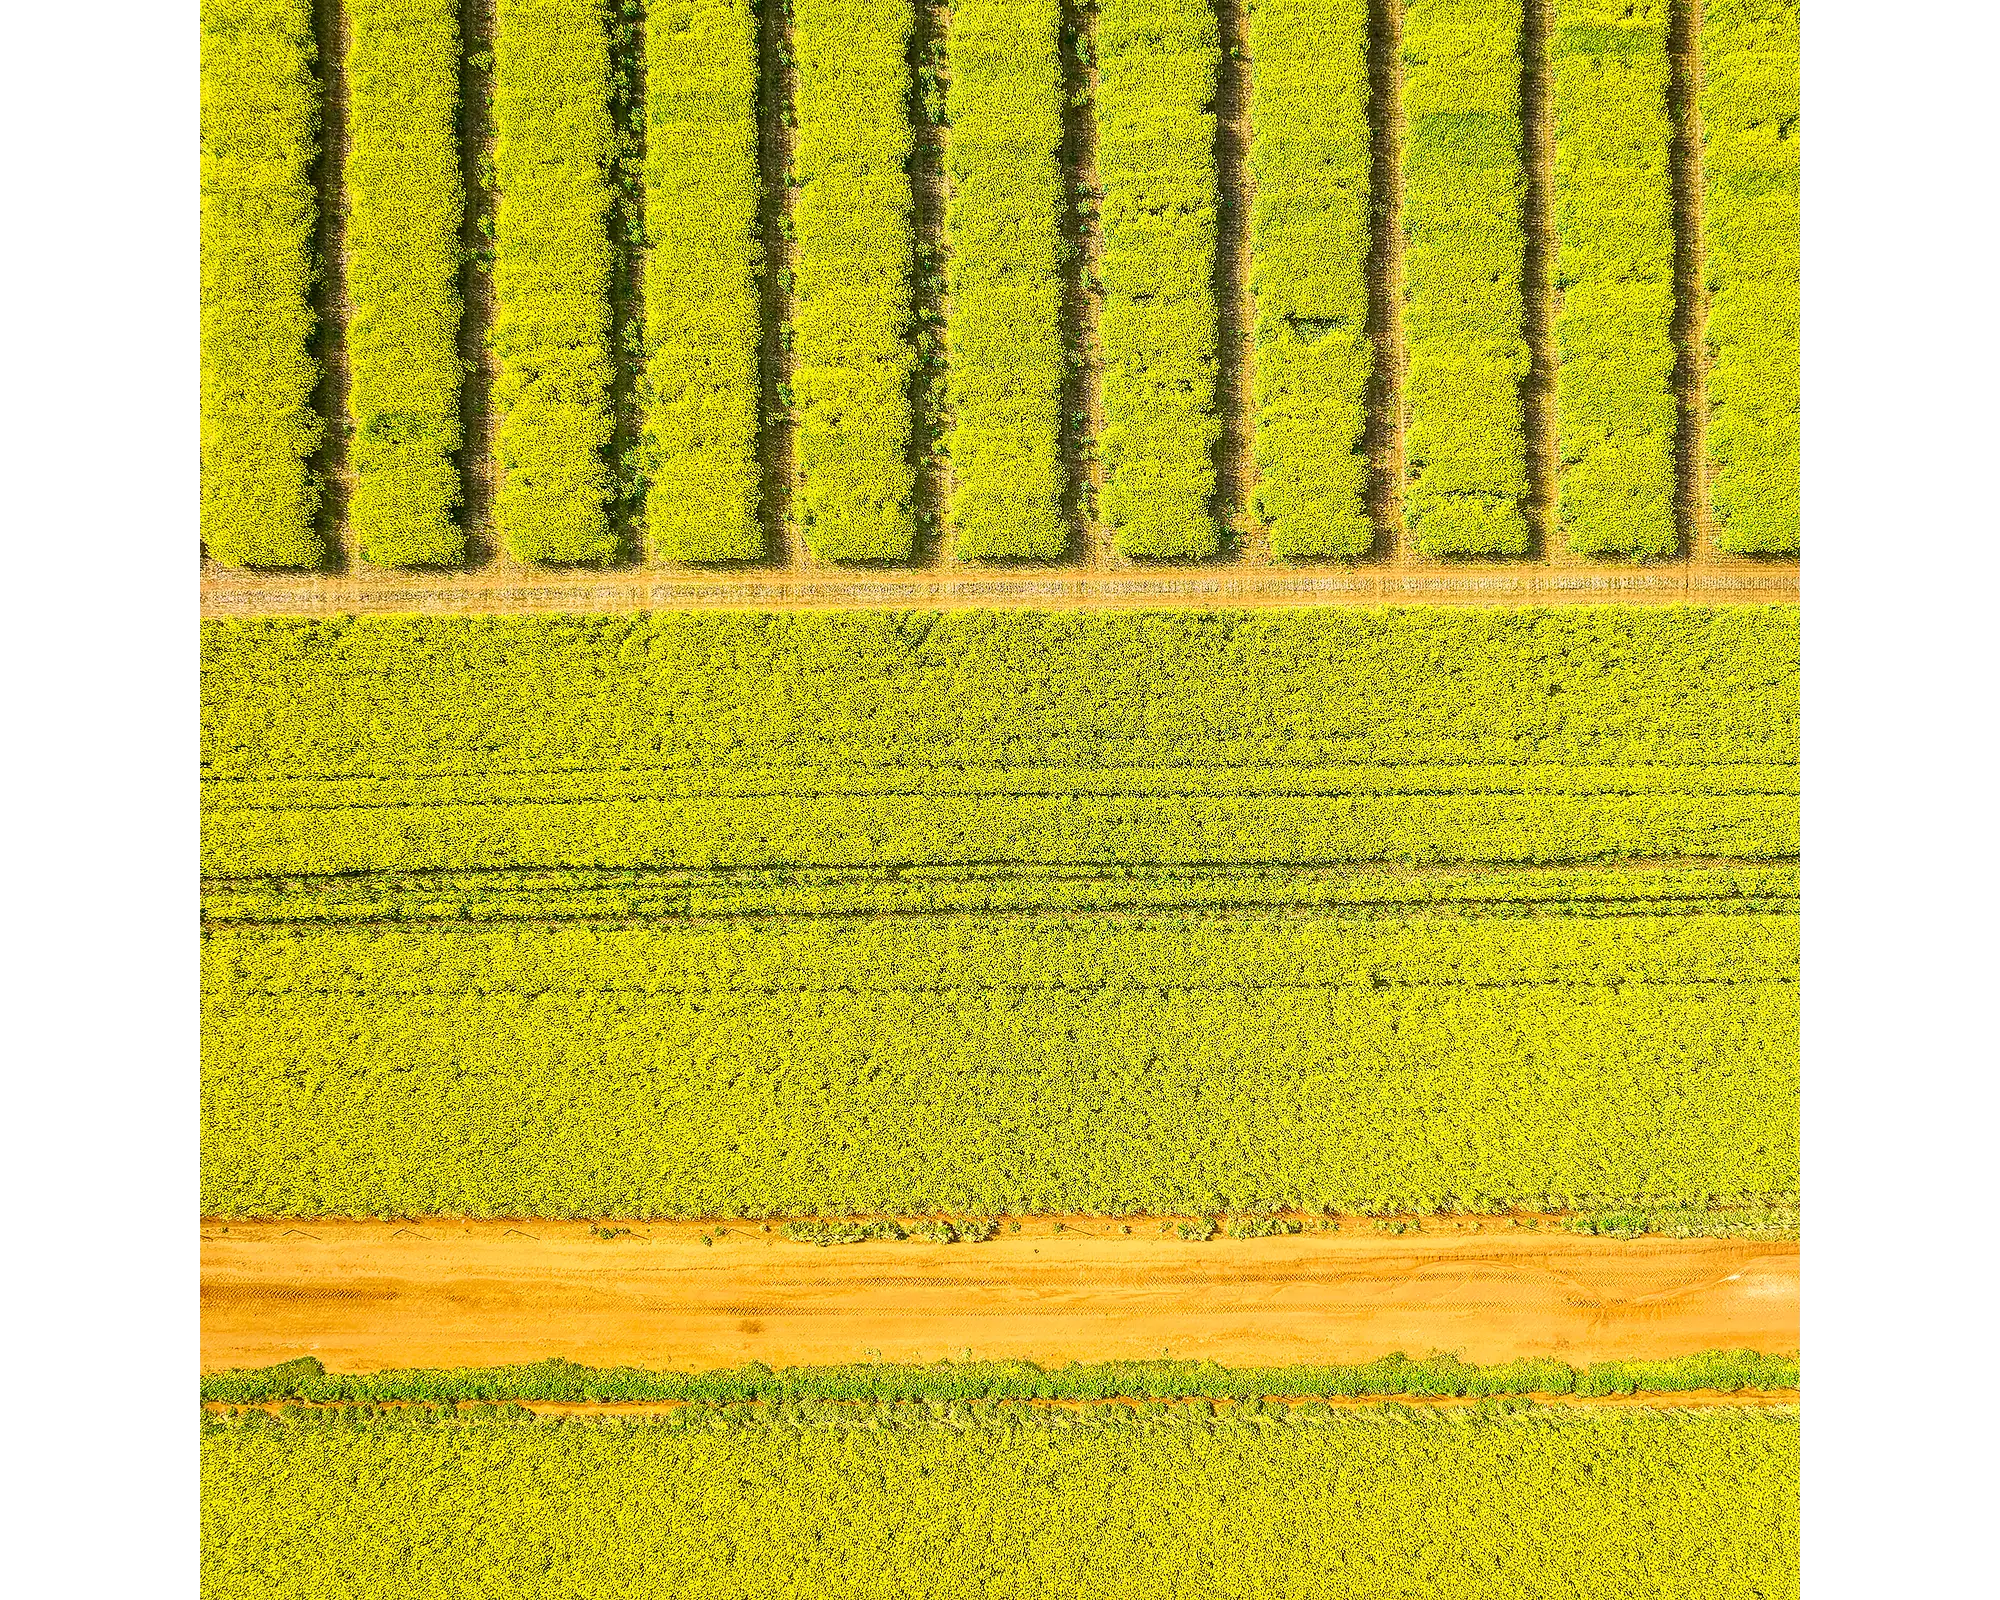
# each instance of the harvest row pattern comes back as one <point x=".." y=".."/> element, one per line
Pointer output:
<point x="852" y="90"/>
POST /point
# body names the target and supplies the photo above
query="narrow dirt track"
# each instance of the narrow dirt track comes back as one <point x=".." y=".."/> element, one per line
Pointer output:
<point x="363" y="1296"/>
<point x="952" y="586"/>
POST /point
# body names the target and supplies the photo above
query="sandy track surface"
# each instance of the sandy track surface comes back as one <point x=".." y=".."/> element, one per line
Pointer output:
<point x="949" y="586"/>
<point x="367" y="1295"/>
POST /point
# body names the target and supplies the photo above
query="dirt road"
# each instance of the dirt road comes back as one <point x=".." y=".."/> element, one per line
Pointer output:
<point x="368" y="1295"/>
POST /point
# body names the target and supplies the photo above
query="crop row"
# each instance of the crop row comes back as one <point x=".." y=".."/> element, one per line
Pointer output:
<point x="405" y="208"/>
<point x="259" y="133"/>
<point x="703" y="264"/>
<point x="852" y="210"/>
<point x="597" y="895"/>
<point x="1004" y="228"/>
<point x="1614" y="276"/>
<point x="1464" y="248"/>
<point x="1750" y="164"/>
<point x="306" y="1379"/>
<point x="902" y="1500"/>
<point x="1309" y="241"/>
<point x="602" y="1097"/>
<point x="826" y="695"/>
<point x="552" y="281"/>
<point x="1157" y="68"/>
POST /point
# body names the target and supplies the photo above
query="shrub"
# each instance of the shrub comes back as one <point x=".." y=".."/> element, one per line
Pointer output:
<point x="1309" y="253"/>
<point x="704" y="258"/>
<point x="552" y="281"/>
<point x="1464" y="250"/>
<point x="1750" y="162"/>
<point x="853" y="355"/>
<point x="259" y="126"/>
<point x="1004" y="225"/>
<point x="1157" y="64"/>
<point x="1614" y="278"/>
<point x="405" y="208"/>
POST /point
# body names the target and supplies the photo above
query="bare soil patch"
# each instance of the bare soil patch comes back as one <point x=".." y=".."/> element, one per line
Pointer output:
<point x="433" y="1293"/>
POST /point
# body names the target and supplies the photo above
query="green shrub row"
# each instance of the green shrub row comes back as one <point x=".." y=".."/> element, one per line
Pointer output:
<point x="703" y="265"/>
<point x="1496" y="1502"/>
<point x="1750" y="165"/>
<point x="1183" y="1065"/>
<point x="1004" y="227"/>
<point x="1309" y="238"/>
<point x="1157" y="65"/>
<point x="1616" y="414"/>
<point x="405" y="205"/>
<point x="552" y="281"/>
<point x="1464" y="253"/>
<point x="259" y="132"/>
<point x="853" y="354"/>
<point x="308" y="1381"/>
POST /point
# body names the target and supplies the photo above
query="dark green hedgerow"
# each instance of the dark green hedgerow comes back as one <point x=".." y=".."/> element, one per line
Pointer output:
<point x="306" y="1380"/>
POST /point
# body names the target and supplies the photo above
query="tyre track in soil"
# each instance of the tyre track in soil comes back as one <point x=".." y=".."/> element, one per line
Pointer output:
<point x="366" y="1295"/>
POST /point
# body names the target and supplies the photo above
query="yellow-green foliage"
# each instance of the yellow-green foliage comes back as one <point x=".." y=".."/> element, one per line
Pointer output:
<point x="1614" y="278"/>
<point x="1308" y="270"/>
<point x="704" y="256"/>
<point x="405" y="204"/>
<point x="552" y="280"/>
<point x="1463" y="255"/>
<point x="554" y="914"/>
<point x="1388" y="1057"/>
<point x="259" y="122"/>
<point x="852" y="350"/>
<point x="1750" y="166"/>
<point x="1157" y="62"/>
<point x="1500" y="1502"/>
<point x="1004" y="226"/>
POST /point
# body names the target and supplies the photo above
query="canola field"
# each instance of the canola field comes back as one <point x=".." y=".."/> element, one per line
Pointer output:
<point x="698" y="258"/>
<point x="991" y="912"/>
<point x="1505" y="1501"/>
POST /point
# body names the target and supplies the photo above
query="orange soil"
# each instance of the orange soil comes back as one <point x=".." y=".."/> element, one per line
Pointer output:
<point x="367" y="1295"/>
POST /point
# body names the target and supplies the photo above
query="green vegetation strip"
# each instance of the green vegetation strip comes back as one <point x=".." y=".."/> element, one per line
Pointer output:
<point x="1614" y="275"/>
<point x="851" y="316"/>
<point x="1188" y="913"/>
<point x="1496" y="1502"/>
<point x="404" y="210"/>
<point x="1309" y="240"/>
<point x="1157" y="66"/>
<point x="307" y="1381"/>
<point x="704" y="257"/>
<point x="1464" y="249"/>
<point x="552" y="281"/>
<point x="259" y="130"/>
<point x="1004" y="228"/>
<point x="1750" y="166"/>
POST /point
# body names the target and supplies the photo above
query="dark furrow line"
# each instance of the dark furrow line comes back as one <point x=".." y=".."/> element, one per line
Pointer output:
<point x="1690" y="286"/>
<point x="331" y="463"/>
<point x="627" y="224"/>
<point x="1235" y="402"/>
<point x="1621" y="982"/>
<point x="476" y="22"/>
<point x="1383" y="435"/>
<point x="930" y="299"/>
<point x="1538" y="389"/>
<point x="776" y="426"/>
<point x="1081" y="196"/>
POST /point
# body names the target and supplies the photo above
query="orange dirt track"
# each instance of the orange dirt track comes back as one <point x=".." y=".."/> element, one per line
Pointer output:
<point x="367" y="1295"/>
